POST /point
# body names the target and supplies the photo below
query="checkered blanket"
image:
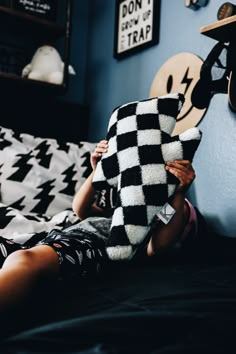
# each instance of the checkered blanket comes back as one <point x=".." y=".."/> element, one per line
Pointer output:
<point x="140" y="143"/>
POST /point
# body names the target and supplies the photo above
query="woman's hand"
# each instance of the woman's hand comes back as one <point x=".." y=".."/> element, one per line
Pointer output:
<point x="183" y="170"/>
<point x="100" y="149"/>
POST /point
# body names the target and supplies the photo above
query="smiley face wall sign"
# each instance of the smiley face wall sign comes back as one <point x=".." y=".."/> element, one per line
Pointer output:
<point x="180" y="74"/>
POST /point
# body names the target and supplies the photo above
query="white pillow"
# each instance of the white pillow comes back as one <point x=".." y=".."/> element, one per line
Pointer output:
<point x="39" y="175"/>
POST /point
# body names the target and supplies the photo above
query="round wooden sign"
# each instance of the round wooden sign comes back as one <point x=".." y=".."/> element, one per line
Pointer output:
<point x="180" y="74"/>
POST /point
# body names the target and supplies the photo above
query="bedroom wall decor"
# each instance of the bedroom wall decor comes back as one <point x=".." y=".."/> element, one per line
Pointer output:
<point x="226" y="10"/>
<point x="180" y="73"/>
<point x="46" y="65"/>
<point x="222" y="52"/>
<point x="195" y="4"/>
<point x="34" y="24"/>
<point x="136" y="26"/>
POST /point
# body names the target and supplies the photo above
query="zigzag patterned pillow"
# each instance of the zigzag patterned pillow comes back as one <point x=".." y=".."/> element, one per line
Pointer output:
<point x="140" y="143"/>
<point x="39" y="175"/>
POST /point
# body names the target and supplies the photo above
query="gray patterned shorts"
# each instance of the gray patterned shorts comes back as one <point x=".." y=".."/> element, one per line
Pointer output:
<point x="80" y="255"/>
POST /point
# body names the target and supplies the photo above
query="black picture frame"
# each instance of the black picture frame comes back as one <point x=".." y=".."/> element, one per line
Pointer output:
<point x="137" y="26"/>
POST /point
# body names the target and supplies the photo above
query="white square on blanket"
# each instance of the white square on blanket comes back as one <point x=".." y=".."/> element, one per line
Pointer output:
<point x="126" y="125"/>
<point x="112" y="181"/>
<point x="118" y="217"/>
<point x="135" y="233"/>
<point x="112" y="148"/>
<point x="154" y="174"/>
<point x="167" y="123"/>
<point x="132" y="193"/>
<point x="113" y="119"/>
<point x="149" y="106"/>
<point x="100" y="173"/>
<point x="149" y="137"/>
<point x="128" y="158"/>
<point x="172" y="151"/>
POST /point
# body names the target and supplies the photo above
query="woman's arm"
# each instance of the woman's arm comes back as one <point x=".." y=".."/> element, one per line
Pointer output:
<point x="83" y="202"/>
<point x="165" y="236"/>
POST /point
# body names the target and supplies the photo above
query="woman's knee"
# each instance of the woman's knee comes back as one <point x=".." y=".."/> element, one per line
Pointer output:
<point x="41" y="259"/>
<point x="24" y="257"/>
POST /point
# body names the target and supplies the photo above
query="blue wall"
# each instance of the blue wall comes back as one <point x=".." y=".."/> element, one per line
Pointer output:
<point x="109" y="83"/>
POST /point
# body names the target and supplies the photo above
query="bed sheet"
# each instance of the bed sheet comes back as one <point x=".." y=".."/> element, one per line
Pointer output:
<point x="29" y="228"/>
<point x="157" y="307"/>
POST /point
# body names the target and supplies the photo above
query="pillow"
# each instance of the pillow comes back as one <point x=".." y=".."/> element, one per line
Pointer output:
<point x="39" y="175"/>
<point x="140" y="143"/>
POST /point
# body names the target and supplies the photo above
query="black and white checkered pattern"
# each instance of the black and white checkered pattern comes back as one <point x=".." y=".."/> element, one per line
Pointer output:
<point x="140" y="143"/>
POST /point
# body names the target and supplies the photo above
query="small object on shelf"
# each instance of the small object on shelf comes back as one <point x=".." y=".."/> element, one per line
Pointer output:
<point x="46" y="65"/>
<point x="226" y="10"/>
<point x="46" y="9"/>
<point x="37" y="31"/>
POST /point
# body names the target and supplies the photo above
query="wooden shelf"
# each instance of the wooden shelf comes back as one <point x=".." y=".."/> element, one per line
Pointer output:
<point x="223" y="30"/>
<point x="10" y="80"/>
<point x="38" y="28"/>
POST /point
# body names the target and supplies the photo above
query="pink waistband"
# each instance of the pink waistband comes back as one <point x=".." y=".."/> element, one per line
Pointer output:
<point x="192" y="225"/>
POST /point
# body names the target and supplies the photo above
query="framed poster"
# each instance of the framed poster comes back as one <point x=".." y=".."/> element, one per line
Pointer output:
<point x="136" y="26"/>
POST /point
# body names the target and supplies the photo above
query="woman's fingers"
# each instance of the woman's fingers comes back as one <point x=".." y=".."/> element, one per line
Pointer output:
<point x="183" y="170"/>
<point x="181" y="165"/>
<point x="100" y="149"/>
<point x="102" y="146"/>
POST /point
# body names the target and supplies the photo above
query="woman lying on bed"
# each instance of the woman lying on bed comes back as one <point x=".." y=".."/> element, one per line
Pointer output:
<point x="79" y="251"/>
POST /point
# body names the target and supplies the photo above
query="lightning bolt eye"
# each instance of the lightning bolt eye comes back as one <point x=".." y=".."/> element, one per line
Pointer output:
<point x="186" y="81"/>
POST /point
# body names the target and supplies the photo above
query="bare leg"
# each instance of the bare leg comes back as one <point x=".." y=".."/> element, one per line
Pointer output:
<point x="22" y="271"/>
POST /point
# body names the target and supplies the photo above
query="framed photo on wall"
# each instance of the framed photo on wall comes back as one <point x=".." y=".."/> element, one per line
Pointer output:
<point x="137" y="25"/>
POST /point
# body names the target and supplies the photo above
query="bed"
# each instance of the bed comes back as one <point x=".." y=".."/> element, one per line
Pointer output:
<point x="183" y="302"/>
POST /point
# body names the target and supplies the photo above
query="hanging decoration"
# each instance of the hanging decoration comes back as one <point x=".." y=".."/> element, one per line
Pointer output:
<point x="180" y="74"/>
<point x="195" y="4"/>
